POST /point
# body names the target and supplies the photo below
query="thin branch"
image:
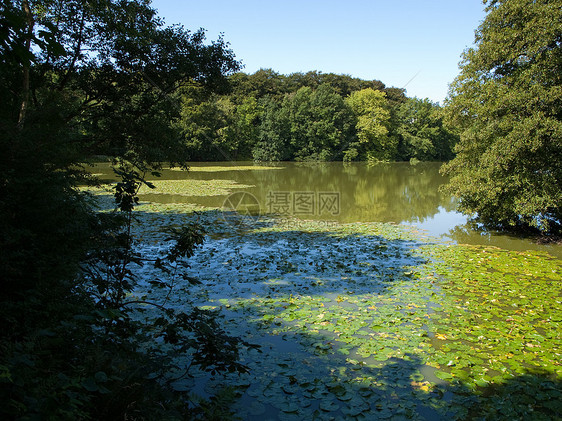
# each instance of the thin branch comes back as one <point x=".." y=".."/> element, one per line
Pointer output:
<point x="161" y="307"/>
<point x="77" y="51"/>
<point x="26" y="66"/>
<point x="181" y="376"/>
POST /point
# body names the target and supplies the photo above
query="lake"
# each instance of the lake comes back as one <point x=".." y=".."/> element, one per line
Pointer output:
<point x="362" y="293"/>
<point x="356" y="192"/>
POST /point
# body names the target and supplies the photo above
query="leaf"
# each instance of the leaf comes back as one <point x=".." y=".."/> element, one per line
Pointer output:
<point x="481" y="382"/>
<point x="288" y="407"/>
<point x="443" y="375"/>
<point x="343" y="351"/>
<point x="328" y="405"/>
<point x="101" y="377"/>
<point x="90" y="385"/>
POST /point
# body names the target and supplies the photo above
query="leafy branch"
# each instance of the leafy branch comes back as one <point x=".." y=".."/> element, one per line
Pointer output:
<point x="194" y="332"/>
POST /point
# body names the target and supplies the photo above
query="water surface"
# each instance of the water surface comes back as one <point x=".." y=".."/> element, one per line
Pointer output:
<point x="360" y="319"/>
<point x="394" y="193"/>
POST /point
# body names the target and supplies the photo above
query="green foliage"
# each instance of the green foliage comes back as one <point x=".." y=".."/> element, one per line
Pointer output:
<point x="264" y="82"/>
<point x="70" y="371"/>
<point x="421" y="132"/>
<point x="273" y="135"/>
<point x="310" y="117"/>
<point x="267" y="82"/>
<point x="507" y="104"/>
<point x="200" y="120"/>
<point x="216" y="128"/>
<point x="319" y="123"/>
<point x="242" y="130"/>
<point x="79" y="78"/>
<point x="309" y="125"/>
<point x="373" y="118"/>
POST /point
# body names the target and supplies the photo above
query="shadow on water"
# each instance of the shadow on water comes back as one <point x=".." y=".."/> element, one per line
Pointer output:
<point x="534" y="395"/>
<point x="273" y="285"/>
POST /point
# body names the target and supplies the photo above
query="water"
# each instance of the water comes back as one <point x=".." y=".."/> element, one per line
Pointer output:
<point x="357" y="324"/>
<point x="397" y="193"/>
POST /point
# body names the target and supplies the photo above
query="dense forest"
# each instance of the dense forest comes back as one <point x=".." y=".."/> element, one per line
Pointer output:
<point x="311" y="116"/>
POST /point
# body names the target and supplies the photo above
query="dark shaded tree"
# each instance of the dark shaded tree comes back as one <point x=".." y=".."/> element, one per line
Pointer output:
<point x="242" y="130"/>
<point x="274" y="134"/>
<point x="201" y="119"/>
<point x="309" y="125"/>
<point x="79" y="78"/>
<point x="320" y="124"/>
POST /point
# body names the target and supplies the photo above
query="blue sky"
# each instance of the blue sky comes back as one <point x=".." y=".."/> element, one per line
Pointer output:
<point x="416" y="44"/>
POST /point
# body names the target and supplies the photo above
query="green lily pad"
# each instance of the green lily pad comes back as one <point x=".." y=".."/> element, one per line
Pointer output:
<point x="443" y="375"/>
<point x="328" y="405"/>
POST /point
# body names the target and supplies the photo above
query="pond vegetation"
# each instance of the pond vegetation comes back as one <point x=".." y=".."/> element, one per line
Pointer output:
<point x="368" y="320"/>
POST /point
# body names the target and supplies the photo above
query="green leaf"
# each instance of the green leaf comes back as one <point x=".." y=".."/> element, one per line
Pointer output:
<point x="443" y="375"/>
<point x="90" y="385"/>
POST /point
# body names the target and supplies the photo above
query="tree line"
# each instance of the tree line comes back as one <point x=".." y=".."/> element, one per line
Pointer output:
<point x="266" y="116"/>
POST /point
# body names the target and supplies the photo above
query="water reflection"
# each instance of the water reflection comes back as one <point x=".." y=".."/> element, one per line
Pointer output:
<point x="396" y="192"/>
<point x="468" y="233"/>
<point x="385" y="193"/>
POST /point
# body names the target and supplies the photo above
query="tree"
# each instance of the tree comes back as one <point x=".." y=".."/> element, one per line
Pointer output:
<point x="373" y="117"/>
<point x="200" y="122"/>
<point x="421" y="132"/>
<point x="242" y="130"/>
<point x="308" y="125"/>
<point x="77" y="78"/>
<point x="320" y="123"/>
<point x="507" y="104"/>
<point x="264" y="82"/>
<point x="272" y="144"/>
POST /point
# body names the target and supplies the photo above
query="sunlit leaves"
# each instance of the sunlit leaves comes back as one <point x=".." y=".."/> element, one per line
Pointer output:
<point x="367" y="320"/>
<point x="506" y="102"/>
<point x="192" y="187"/>
<point x="373" y="120"/>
